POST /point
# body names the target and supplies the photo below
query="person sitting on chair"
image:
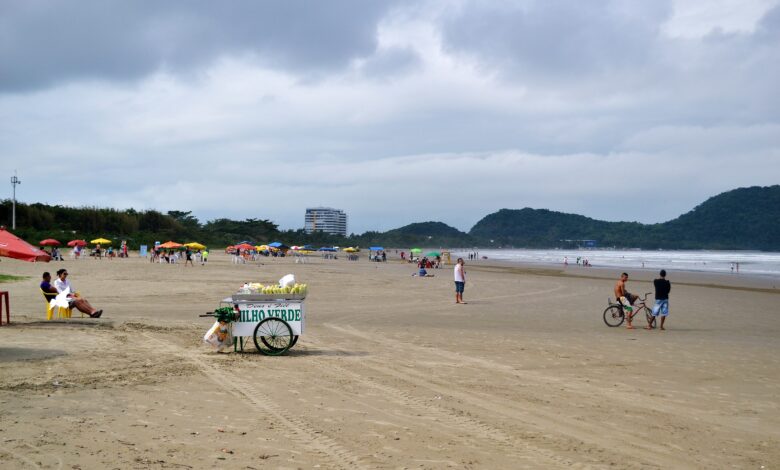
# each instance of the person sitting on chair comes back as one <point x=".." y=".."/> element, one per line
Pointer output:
<point x="46" y="286"/>
<point x="74" y="299"/>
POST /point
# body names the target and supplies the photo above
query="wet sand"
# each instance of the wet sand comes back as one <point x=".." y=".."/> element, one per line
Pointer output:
<point x="390" y="373"/>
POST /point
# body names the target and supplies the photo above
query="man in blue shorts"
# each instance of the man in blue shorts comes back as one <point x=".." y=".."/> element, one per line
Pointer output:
<point x="662" y="288"/>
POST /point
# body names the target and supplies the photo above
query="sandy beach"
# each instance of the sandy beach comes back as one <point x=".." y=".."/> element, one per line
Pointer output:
<point x="390" y="373"/>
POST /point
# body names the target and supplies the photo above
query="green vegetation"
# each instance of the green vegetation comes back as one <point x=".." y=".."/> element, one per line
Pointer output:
<point x="11" y="278"/>
<point x="741" y="219"/>
<point x="745" y="218"/>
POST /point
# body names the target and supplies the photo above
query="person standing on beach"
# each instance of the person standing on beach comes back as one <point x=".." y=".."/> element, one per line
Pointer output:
<point x="626" y="298"/>
<point x="662" y="288"/>
<point x="460" y="281"/>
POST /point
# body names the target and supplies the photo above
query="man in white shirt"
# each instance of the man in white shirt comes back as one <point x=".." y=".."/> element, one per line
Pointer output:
<point x="74" y="299"/>
<point x="460" y="281"/>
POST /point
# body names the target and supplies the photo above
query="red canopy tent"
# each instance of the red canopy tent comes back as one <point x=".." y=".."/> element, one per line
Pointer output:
<point x="12" y="246"/>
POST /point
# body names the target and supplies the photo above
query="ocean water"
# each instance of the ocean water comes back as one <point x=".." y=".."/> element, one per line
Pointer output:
<point x="750" y="262"/>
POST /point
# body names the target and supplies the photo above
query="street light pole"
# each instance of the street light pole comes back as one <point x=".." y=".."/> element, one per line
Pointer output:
<point x="14" y="182"/>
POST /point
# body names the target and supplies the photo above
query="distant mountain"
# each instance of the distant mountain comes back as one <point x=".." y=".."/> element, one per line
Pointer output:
<point x="745" y="218"/>
<point x="742" y="219"/>
<point x="426" y="234"/>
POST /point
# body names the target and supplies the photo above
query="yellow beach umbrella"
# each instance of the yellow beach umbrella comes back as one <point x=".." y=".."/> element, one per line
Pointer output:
<point x="351" y="250"/>
<point x="262" y="247"/>
<point x="102" y="241"/>
<point x="195" y="245"/>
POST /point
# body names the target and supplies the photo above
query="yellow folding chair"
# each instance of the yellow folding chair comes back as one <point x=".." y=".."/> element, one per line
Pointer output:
<point x="62" y="312"/>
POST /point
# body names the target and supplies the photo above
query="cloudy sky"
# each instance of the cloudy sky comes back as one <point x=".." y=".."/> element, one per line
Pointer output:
<point x="396" y="112"/>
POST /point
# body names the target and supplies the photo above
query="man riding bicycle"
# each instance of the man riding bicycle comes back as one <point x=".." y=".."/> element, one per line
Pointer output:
<point x="626" y="298"/>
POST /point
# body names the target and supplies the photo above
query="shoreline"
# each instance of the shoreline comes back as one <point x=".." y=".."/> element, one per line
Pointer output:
<point x="699" y="278"/>
<point x="750" y="282"/>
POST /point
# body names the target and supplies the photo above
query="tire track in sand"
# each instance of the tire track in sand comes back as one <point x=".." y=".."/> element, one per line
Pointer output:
<point x="297" y="429"/>
<point x="511" y="445"/>
<point x="535" y="416"/>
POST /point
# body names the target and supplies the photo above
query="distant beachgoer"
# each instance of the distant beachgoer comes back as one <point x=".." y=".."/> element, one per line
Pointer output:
<point x="188" y="257"/>
<point x="74" y="299"/>
<point x="204" y="256"/>
<point x="460" y="281"/>
<point x="384" y="257"/>
<point x="422" y="273"/>
<point x="662" y="288"/>
<point x="626" y="298"/>
<point x="737" y="268"/>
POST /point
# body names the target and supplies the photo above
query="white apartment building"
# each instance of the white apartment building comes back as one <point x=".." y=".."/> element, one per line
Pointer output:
<point x="326" y="219"/>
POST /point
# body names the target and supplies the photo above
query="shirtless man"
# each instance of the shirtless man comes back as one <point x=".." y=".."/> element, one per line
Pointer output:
<point x="626" y="298"/>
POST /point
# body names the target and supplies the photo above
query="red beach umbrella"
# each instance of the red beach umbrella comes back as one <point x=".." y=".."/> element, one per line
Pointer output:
<point x="49" y="242"/>
<point x="245" y="246"/>
<point x="12" y="246"/>
<point x="73" y="243"/>
<point x="170" y="244"/>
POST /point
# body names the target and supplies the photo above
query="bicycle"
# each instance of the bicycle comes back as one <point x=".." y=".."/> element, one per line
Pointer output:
<point x="614" y="314"/>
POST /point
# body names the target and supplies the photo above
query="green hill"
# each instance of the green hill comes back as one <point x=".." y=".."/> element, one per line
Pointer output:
<point x="742" y="219"/>
<point x="745" y="218"/>
<point x="433" y="234"/>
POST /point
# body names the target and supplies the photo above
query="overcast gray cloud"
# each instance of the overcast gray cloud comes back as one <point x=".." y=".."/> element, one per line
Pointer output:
<point x="50" y="42"/>
<point x="396" y="112"/>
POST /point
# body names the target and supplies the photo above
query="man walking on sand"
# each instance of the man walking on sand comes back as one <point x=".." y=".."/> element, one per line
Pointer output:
<point x="662" y="288"/>
<point x="460" y="281"/>
<point x="626" y="298"/>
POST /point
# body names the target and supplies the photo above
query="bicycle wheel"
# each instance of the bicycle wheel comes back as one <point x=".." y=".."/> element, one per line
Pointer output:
<point x="613" y="316"/>
<point x="275" y="336"/>
<point x="650" y="317"/>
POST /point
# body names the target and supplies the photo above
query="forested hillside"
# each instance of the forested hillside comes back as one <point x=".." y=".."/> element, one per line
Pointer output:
<point x="745" y="218"/>
<point x="741" y="219"/>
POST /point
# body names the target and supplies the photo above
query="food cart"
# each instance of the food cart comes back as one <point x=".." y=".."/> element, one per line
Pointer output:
<point x="273" y="321"/>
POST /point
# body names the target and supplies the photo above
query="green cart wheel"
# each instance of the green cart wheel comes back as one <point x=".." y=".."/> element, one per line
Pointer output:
<point x="273" y="336"/>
